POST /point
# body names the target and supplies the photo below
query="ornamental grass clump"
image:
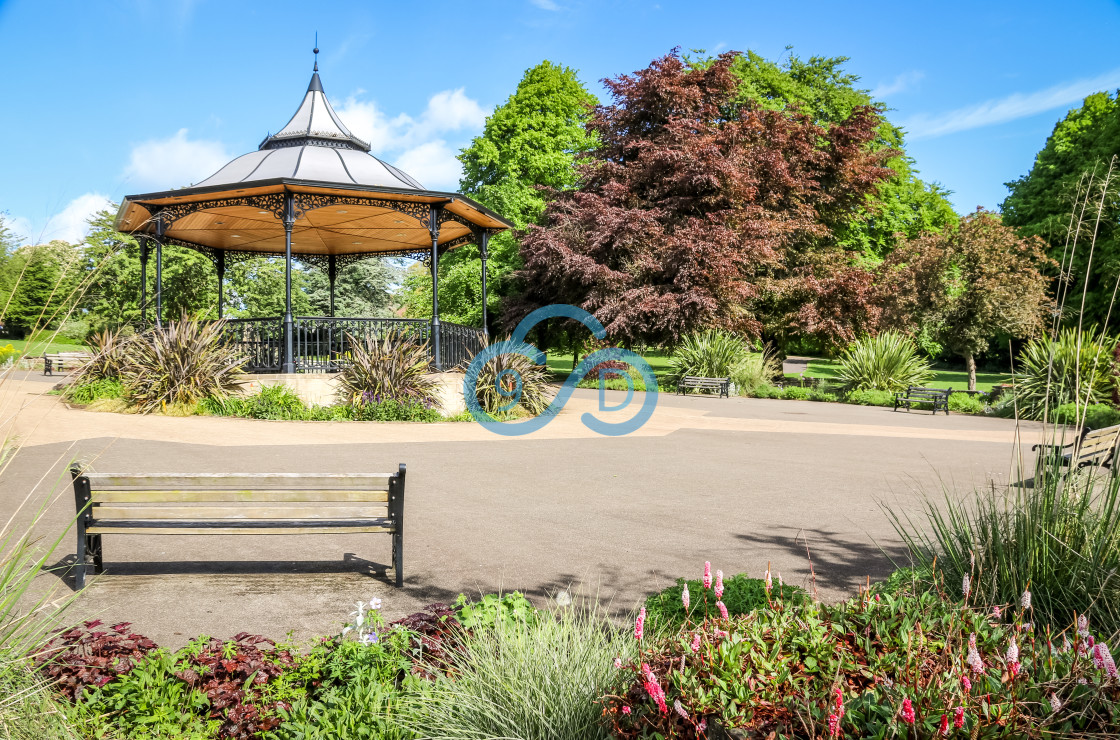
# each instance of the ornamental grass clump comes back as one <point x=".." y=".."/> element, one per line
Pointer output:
<point x="180" y="365"/>
<point x="1075" y="368"/>
<point x="1059" y="538"/>
<point x="886" y="362"/>
<point x="710" y="354"/>
<point x="392" y="368"/>
<point x="755" y="370"/>
<point x="512" y="379"/>
<point x="538" y="678"/>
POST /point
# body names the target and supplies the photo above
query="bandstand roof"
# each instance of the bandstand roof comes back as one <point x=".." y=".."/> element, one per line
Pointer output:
<point x="349" y="203"/>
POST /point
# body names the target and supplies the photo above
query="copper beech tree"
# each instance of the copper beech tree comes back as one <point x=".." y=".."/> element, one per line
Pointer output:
<point x="694" y="212"/>
<point x="968" y="285"/>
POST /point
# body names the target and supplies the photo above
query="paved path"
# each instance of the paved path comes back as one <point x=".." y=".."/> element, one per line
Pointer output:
<point x="740" y="482"/>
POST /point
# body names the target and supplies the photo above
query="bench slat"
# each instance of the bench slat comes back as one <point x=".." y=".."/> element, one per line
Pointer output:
<point x="239" y="481"/>
<point x="269" y="528"/>
<point x="196" y="513"/>
<point x="231" y="496"/>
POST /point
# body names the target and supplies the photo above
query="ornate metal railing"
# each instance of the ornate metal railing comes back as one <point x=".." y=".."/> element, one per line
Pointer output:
<point x="261" y="340"/>
<point x="459" y="344"/>
<point x="322" y="344"/>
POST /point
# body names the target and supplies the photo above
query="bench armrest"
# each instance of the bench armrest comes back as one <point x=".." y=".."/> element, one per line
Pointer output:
<point x="1051" y="446"/>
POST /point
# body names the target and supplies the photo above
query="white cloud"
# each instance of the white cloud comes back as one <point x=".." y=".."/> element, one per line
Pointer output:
<point x="69" y="224"/>
<point x="1010" y="108"/>
<point x="174" y="162"/>
<point x="433" y="164"/>
<point x="417" y="145"/>
<point x="903" y="82"/>
<point x="545" y="4"/>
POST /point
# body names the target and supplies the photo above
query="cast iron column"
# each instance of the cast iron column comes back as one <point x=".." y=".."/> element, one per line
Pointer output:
<point x="159" y="269"/>
<point x="143" y="280"/>
<point x="483" y="246"/>
<point x="221" y="281"/>
<point x="332" y="275"/>
<point x="433" y="228"/>
<point x="288" y="364"/>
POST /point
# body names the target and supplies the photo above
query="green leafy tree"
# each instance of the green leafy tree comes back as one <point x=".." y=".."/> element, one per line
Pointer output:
<point x="1041" y="202"/>
<point x="362" y="289"/>
<point x="42" y="283"/>
<point x="112" y="262"/>
<point x="528" y="142"/>
<point x="255" y="289"/>
<point x="968" y="285"/>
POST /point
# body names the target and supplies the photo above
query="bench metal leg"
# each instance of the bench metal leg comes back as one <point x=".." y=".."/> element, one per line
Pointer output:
<point x="80" y="565"/>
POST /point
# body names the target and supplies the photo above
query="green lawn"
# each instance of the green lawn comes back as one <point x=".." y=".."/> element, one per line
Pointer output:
<point x="955" y="379"/>
<point x="561" y="364"/>
<point x="37" y="347"/>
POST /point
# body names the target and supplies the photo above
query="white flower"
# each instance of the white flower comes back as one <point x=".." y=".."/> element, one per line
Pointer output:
<point x="966" y="585"/>
<point x="563" y="598"/>
<point x="1013" y="651"/>
<point x="1025" y="601"/>
<point x="375" y="603"/>
<point x="1083" y="625"/>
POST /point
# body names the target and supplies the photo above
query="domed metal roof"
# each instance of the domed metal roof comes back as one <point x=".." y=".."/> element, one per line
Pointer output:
<point x="314" y="145"/>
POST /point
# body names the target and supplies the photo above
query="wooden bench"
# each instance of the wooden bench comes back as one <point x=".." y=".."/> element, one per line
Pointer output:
<point x="1092" y="447"/>
<point x="723" y="385"/>
<point x="236" y="503"/>
<point x="937" y="397"/>
<point x="60" y="360"/>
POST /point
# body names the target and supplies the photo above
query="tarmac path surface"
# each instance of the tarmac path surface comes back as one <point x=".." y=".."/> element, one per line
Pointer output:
<point x="739" y="482"/>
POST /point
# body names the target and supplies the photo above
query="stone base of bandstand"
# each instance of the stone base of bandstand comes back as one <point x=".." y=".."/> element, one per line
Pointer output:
<point x="318" y="389"/>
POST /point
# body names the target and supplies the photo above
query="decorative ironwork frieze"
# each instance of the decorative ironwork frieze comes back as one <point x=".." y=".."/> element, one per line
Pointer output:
<point x="305" y="202"/>
<point x="271" y="202"/>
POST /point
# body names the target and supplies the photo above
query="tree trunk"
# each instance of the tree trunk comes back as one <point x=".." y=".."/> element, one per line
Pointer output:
<point x="970" y="362"/>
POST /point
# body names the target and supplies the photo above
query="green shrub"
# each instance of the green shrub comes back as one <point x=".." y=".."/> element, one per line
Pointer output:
<point x="1060" y="539"/>
<point x="870" y="398"/>
<point x="819" y="394"/>
<point x="796" y="393"/>
<point x="540" y="678"/>
<point x="493" y="608"/>
<point x="887" y="362"/>
<point x="88" y="391"/>
<point x="511" y="379"/>
<point x="755" y="370"/>
<point x="742" y="595"/>
<point x="394" y="368"/>
<point x="1097" y="416"/>
<point x="353" y="690"/>
<point x="965" y="403"/>
<point x="766" y="391"/>
<point x="392" y="410"/>
<point x="180" y="365"/>
<point x="1075" y="368"/>
<point x="708" y="354"/>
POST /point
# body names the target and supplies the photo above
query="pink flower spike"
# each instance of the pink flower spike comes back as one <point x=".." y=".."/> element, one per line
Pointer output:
<point x="695" y="643"/>
<point x="618" y="662"/>
<point x="908" y="715"/>
<point x="685" y="597"/>
<point x="1013" y="652"/>
<point x="707" y="574"/>
<point x="833" y="726"/>
<point x="719" y="584"/>
<point x="944" y="725"/>
<point x="958" y="718"/>
<point x="640" y="625"/>
<point x="966" y="684"/>
<point x="966" y="585"/>
<point x="722" y="609"/>
<point x="997" y="612"/>
<point x="679" y="709"/>
<point x="625" y="709"/>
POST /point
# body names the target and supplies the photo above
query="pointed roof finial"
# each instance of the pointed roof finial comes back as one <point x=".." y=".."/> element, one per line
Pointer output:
<point x="316" y="52"/>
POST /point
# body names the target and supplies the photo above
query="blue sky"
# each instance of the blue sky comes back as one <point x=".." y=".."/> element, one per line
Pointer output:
<point x="105" y="99"/>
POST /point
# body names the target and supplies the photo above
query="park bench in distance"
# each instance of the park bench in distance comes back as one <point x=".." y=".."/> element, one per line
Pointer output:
<point x="1092" y="447"/>
<point x="236" y="503"/>
<point x="938" y="397"/>
<point x="62" y="360"/>
<point x="723" y="385"/>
